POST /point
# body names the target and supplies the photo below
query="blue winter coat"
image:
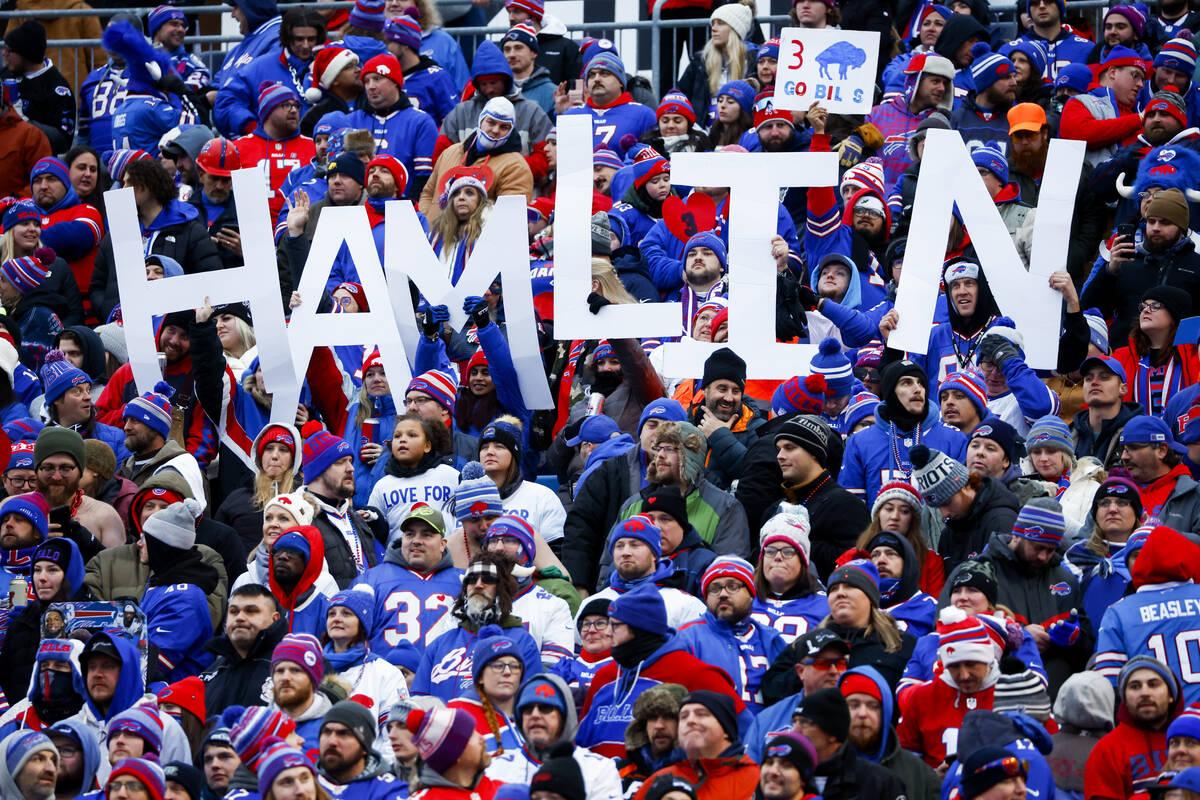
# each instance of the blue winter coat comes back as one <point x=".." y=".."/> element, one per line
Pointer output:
<point x="236" y="111"/>
<point x="141" y="120"/>
<point x="263" y="39"/>
<point x="178" y="624"/>
<point x="744" y="651"/>
<point x="445" y="668"/>
<point x="443" y="48"/>
<point x="99" y="95"/>
<point x="774" y="719"/>
<point x="869" y="462"/>
<point x="130" y="686"/>
<point x="431" y="89"/>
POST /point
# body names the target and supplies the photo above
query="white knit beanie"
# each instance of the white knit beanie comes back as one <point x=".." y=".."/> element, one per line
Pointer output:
<point x="175" y="525"/>
<point x="295" y="504"/>
<point x="792" y="526"/>
<point x="736" y="16"/>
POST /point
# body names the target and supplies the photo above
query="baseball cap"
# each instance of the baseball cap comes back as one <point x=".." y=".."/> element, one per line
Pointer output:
<point x="595" y="429"/>
<point x="1026" y="117"/>
<point x="817" y="640"/>
<point x="1108" y="362"/>
<point x="427" y="514"/>
<point x="1150" y="430"/>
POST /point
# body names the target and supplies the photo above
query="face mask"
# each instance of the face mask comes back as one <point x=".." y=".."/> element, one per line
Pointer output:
<point x="607" y="382"/>
<point x="484" y="143"/>
<point x="56" y="697"/>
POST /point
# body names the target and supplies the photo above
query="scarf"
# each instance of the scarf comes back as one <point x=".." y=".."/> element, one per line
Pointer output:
<point x="638" y="649"/>
<point x="1153" y="391"/>
<point x="662" y="571"/>
<point x="340" y="662"/>
<point x="398" y="470"/>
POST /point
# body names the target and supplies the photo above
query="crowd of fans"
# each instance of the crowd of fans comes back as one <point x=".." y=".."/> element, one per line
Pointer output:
<point x="895" y="575"/>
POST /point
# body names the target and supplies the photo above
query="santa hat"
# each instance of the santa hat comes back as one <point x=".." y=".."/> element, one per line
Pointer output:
<point x="327" y="64"/>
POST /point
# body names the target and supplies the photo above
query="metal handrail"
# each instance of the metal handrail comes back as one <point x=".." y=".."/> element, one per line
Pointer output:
<point x="142" y="11"/>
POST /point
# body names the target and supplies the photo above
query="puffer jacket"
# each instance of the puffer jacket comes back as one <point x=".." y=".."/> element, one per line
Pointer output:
<point x="993" y="510"/>
<point x="730" y="775"/>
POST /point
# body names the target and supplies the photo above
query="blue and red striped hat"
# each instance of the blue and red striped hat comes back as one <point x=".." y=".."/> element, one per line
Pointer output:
<point x="25" y="273"/>
<point x="404" y="30"/>
<point x="728" y="567"/>
<point x="513" y="525"/>
<point x="971" y="383"/>
<point x="18" y="212"/>
<point x="161" y="15"/>
<point x="1041" y="520"/>
<point x="51" y="166"/>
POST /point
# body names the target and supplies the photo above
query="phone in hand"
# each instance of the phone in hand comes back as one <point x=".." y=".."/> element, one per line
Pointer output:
<point x="60" y="516"/>
<point x="1125" y="230"/>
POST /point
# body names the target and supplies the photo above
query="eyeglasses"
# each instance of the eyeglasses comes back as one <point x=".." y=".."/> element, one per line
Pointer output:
<point x="486" y="578"/>
<point x="504" y="667"/>
<point x="19" y="482"/>
<point x="417" y="402"/>
<point x="289" y="105"/>
<point x="507" y="541"/>
<point x="544" y="709"/>
<point x="1149" y="194"/>
<point x="1150" y="305"/>
<point x="826" y="664"/>
<point x="668" y="449"/>
<point x="133" y="786"/>
<point x="61" y="469"/>
<point x="1011" y="766"/>
<point x="597" y="625"/>
<point x="731" y="586"/>
<point x="779" y="552"/>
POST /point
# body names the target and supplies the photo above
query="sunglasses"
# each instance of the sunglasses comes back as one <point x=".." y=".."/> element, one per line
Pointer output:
<point x="826" y="664"/>
<point x="1010" y="766"/>
<point x="487" y="578"/>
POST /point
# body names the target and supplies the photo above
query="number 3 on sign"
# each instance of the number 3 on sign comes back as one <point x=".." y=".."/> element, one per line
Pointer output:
<point x="798" y="55"/>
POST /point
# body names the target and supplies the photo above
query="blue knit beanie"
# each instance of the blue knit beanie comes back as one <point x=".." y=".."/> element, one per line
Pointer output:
<point x="59" y="375"/>
<point x="643" y="608"/>
<point x="665" y="408"/>
<point x="712" y="242"/>
<point x="492" y="643"/>
<point x="609" y="62"/>
<point x="831" y="362"/>
<point x="638" y="527"/>
<point x="741" y="92"/>
<point x="361" y="604"/>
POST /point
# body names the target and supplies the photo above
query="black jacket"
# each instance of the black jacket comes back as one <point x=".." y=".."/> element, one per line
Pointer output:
<point x="235" y="681"/>
<point x="560" y="56"/>
<point x="1178" y="265"/>
<point x="48" y="102"/>
<point x="224" y="540"/>
<point x="694" y="84"/>
<point x="186" y="241"/>
<point x="1104" y="444"/>
<point x="761" y="484"/>
<point x="337" y="552"/>
<point x="837" y="518"/>
<point x="226" y="219"/>
<point x="849" y="776"/>
<point x="993" y="510"/>
<point x="238" y="512"/>
<point x="594" y="512"/>
<point x="782" y="680"/>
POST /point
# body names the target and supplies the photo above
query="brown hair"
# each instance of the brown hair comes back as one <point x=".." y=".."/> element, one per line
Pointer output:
<point x="437" y="434"/>
<point x="148" y="174"/>
<point x="913" y="536"/>
<point x="880" y="624"/>
<point x="833" y="16"/>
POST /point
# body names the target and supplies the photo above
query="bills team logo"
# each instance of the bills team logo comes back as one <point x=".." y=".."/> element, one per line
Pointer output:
<point x="1060" y="589"/>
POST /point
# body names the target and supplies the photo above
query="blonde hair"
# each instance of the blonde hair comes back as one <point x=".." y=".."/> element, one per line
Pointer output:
<point x="914" y="537"/>
<point x="431" y="17"/>
<point x="881" y="624"/>
<point x="610" y="284"/>
<point x="266" y="487"/>
<point x="450" y="230"/>
<point x="6" y="244"/>
<point x="245" y="334"/>
<point x="727" y="63"/>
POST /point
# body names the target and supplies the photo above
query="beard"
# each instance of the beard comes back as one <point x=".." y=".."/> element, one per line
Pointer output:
<point x="865" y="741"/>
<point x="661" y="477"/>
<point x="482" y="611"/>
<point x="58" y="494"/>
<point x="1029" y="163"/>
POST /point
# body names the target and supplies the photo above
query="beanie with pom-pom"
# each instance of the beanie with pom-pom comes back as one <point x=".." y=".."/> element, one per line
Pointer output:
<point x="790" y="526"/>
<point x="831" y="362"/>
<point x="805" y="395"/>
<point x="321" y="449"/>
<point x="440" y="735"/>
<point x="328" y="63"/>
<point x="153" y="409"/>
<point x="58" y="376"/>
<point x="25" y="273"/>
<point x="938" y="476"/>
<point x="988" y="67"/>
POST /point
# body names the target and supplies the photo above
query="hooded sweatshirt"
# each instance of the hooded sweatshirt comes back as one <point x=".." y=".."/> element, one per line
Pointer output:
<point x="913" y="610"/>
<point x="408" y="603"/>
<point x="1084" y="710"/>
<point x="519" y="765"/>
<point x="305" y="606"/>
<point x="1017" y="733"/>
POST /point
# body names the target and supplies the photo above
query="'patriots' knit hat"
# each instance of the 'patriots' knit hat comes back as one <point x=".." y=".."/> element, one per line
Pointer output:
<point x="303" y="650"/>
<point x="153" y="409"/>
<point x="513" y="525"/>
<point x="524" y="33"/>
<point x="988" y="67"/>
<point x="938" y="476"/>
<point x="970" y="382"/>
<point x="439" y="385"/>
<point x="1041" y="520"/>
<point x="831" y="362"/>
<point x="145" y="770"/>
<point x="1050" y="431"/>
<point x="639" y="527"/>
<point x="25" y="273"/>
<point x="993" y="160"/>
<point x="142" y="721"/>
<point x="321" y="450"/>
<point x="1178" y="54"/>
<point x="861" y="574"/>
<point x="477" y="494"/>
<point x="59" y="375"/>
<point x="728" y="567"/>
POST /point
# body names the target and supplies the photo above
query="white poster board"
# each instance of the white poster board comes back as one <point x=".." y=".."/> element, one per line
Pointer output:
<point x="257" y="282"/>
<point x="754" y="180"/>
<point x="503" y="248"/>
<point x="949" y="177"/>
<point x="833" y="67"/>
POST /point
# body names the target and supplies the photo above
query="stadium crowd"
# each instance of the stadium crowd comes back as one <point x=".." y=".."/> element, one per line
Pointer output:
<point x="895" y="575"/>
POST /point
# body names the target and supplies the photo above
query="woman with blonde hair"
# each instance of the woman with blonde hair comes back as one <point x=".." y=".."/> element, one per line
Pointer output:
<point x="465" y="208"/>
<point x="21" y="236"/>
<point x="607" y="284"/>
<point x="281" y="513"/>
<point x="723" y="59"/>
<point x="276" y="451"/>
<point x="898" y="508"/>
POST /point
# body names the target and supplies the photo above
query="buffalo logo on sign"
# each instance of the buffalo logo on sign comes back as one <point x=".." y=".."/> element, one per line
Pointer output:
<point x="844" y="56"/>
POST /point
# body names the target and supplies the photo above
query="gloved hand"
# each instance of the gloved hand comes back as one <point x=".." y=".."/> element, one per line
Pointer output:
<point x="808" y="298"/>
<point x="477" y="309"/>
<point x="1064" y="632"/>
<point x="597" y="301"/>
<point x="998" y="350"/>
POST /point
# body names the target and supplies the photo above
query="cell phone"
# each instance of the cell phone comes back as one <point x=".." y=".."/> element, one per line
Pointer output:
<point x="60" y="516"/>
<point x="1125" y="230"/>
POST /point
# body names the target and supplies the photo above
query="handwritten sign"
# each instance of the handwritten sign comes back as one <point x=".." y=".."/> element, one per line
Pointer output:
<point x="832" y="67"/>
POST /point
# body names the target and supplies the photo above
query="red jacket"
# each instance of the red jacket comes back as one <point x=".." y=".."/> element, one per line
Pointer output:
<point x="1125" y="758"/>
<point x="276" y="159"/>
<point x="1077" y="122"/>
<point x="1182" y="371"/>
<point x="1156" y="493"/>
<point x="732" y="778"/>
<point x="80" y="212"/>
<point x="484" y="790"/>
<point x="21" y="146"/>
<point x="931" y="714"/>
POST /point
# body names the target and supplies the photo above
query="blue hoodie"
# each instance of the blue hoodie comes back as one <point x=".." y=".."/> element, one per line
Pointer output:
<point x="262" y="17"/>
<point x="489" y="60"/>
<point x="86" y="737"/>
<point x="885" y="693"/>
<point x="130" y="685"/>
<point x="869" y="461"/>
